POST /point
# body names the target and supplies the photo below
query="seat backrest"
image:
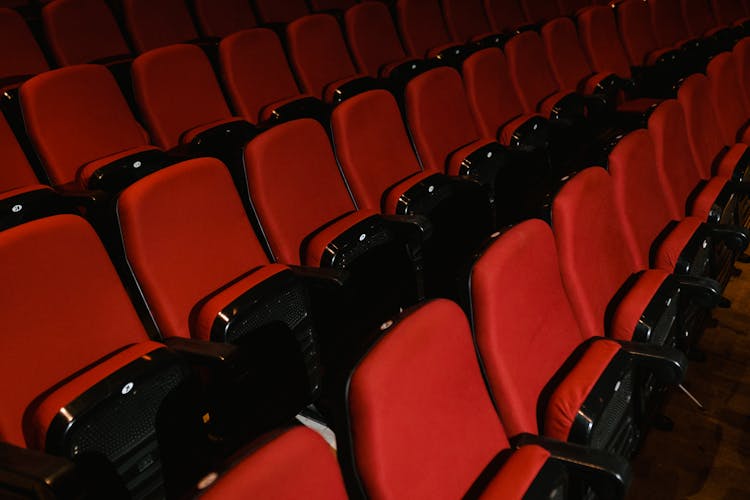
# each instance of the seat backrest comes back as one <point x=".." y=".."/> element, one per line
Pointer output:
<point x="539" y="11"/>
<point x="698" y="17"/>
<point x="410" y="371"/>
<point x="465" y="19"/>
<point x="438" y="115"/>
<point x="523" y="337"/>
<point x="421" y="25"/>
<point x="76" y="115"/>
<point x="82" y="31"/>
<point x="318" y="52"/>
<point x="15" y="170"/>
<point x="25" y="58"/>
<point x="323" y="5"/>
<point x="62" y="295"/>
<point x="727" y="12"/>
<point x="170" y="103"/>
<point x="741" y="56"/>
<point x="504" y="15"/>
<point x="293" y="198"/>
<point x="156" y="23"/>
<point x="529" y="69"/>
<point x="668" y="23"/>
<point x="273" y="11"/>
<point x="636" y="30"/>
<point x="595" y="259"/>
<point x="675" y="163"/>
<point x="255" y="71"/>
<point x="639" y="193"/>
<point x="372" y="37"/>
<point x="565" y="54"/>
<point x="571" y="7"/>
<point x="185" y="235"/>
<point x="219" y="18"/>
<point x="703" y="129"/>
<point x="361" y="126"/>
<point x="490" y="92"/>
<point x="597" y="32"/>
<point x="727" y="96"/>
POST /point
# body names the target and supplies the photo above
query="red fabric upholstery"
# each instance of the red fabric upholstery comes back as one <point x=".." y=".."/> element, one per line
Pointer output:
<point x="417" y="401"/>
<point x="82" y="31"/>
<point x="674" y="244"/>
<point x="539" y="11"/>
<point x="361" y="125"/>
<point x="525" y="336"/>
<point x="295" y="464"/>
<point x="390" y="203"/>
<point x="564" y="53"/>
<point x="630" y="308"/>
<point x="318" y="52"/>
<point x="172" y="104"/>
<point x="465" y="19"/>
<point x="26" y="58"/>
<point x="219" y="18"/>
<point x="726" y="97"/>
<point x="571" y="7"/>
<point x="530" y="70"/>
<point x="698" y="18"/>
<point x="504" y="15"/>
<point x="421" y="25"/>
<point x="741" y="56"/>
<point x="76" y="115"/>
<point x="571" y="393"/>
<point x="144" y="20"/>
<point x="273" y="11"/>
<point x="636" y="31"/>
<point x="91" y="319"/>
<point x="15" y="170"/>
<point x="255" y="71"/>
<point x="669" y="26"/>
<point x="438" y="115"/>
<point x="315" y="250"/>
<point x="185" y="235"/>
<point x="372" y="37"/>
<point x="730" y="159"/>
<point x="319" y="5"/>
<point x="595" y="259"/>
<point x="517" y="474"/>
<point x="596" y="30"/>
<point x="492" y="97"/>
<point x="39" y="420"/>
<point x="728" y="12"/>
<point x="276" y="175"/>
<point x="707" y="196"/>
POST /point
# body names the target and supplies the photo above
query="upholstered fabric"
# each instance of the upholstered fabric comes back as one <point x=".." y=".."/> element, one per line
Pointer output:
<point x="669" y="27"/>
<point x="564" y="53"/>
<point x="273" y="11"/>
<point x="726" y="97"/>
<point x="15" y="170"/>
<point x="320" y="5"/>
<point x="144" y="20"/>
<point x="465" y="19"/>
<point x="530" y="71"/>
<point x="596" y="27"/>
<point x="699" y="20"/>
<point x="728" y="12"/>
<point x="517" y="474"/>
<point x="421" y="26"/>
<point x="673" y="245"/>
<point x="372" y="37"/>
<point x="26" y="58"/>
<point x="539" y="11"/>
<point x="630" y="308"/>
<point x="220" y="18"/>
<point x="504" y="15"/>
<point x="636" y="32"/>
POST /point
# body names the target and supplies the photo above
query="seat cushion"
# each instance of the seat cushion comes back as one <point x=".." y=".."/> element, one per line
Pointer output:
<point x="673" y="245"/>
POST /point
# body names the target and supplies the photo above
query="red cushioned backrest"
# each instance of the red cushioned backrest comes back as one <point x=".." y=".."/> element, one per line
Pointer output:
<point x="465" y="19"/>
<point x="274" y="11"/>
<point x="667" y="21"/>
<point x="372" y="37"/>
<point x="170" y="103"/>
<point x="219" y="18"/>
<point x="525" y="336"/>
<point x="504" y="15"/>
<point x="697" y="16"/>
<point x="704" y="131"/>
<point x="490" y="92"/>
<point x="319" y="5"/>
<point x="76" y="115"/>
<point x="677" y="168"/>
<point x="294" y="198"/>
<point x="726" y="96"/>
<point x="598" y="34"/>
<point x="295" y="464"/>
<point x="185" y="234"/>
<point x="255" y="71"/>
<point x="564" y="53"/>
<point x="156" y="23"/>
<point x="539" y="11"/>
<point x="639" y="193"/>
<point x="63" y="308"/>
<point x="81" y="31"/>
<point x="595" y="260"/>
<point x="421" y="25"/>
<point x="25" y="57"/>
<point x="727" y="12"/>
<point x="15" y="170"/>
<point x="741" y="56"/>
<point x="318" y="52"/>
<point x="636" y="30"/>
<point x="417" y="401"/>
<point x="529" y="69"/>
<point x="361" y="126"/>
<point x="438" y="115"/>
<point x="570" y="7"/>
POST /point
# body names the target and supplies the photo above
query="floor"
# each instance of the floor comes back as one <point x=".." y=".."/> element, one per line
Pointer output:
<point x="707" y="455"/>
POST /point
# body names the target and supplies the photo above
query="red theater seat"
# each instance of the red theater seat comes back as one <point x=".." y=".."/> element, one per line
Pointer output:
<point x="25" y="58"/>
<point x="539" y="11"/>
<point x="423" y="30"/>
<point x="505" y="16"/>
<point x="274" y="11"/>
<point x="219" y="18"/>
<point x="156" y="23"/>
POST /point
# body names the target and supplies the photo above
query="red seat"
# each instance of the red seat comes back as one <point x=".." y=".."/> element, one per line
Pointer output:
<point x="154" y="24"/>
<point x="728" y="99"/>
<point x="504" y="15"/>
<point x="699" y="20"/>
<point x="423" y="29"/>
<point x="729" y="12"/>
<point x="273" y="11"/>
<point x="15" y="171"/>
<point x="572" y="7"/>
<point x="466" y="20"/>
<point x="323" y="5"/>
<point x="219" y="18"/>
<point x="668" y="23"/>
<point x="539" y="11"/>
<point x="26" y="58"/>
<point x="605" y="52"/>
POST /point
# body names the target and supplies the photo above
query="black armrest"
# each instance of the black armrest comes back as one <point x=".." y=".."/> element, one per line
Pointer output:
<point x="206" y="354"/>
<point x="304" y="107"/>
<point x="569" y="111"/>
<point x="668" y="364"/>
<point x="119" y="174"/>
<point x="31" y="205"/>
<point x="321" y="277"/>
<point x="607" y="474"/>
<point x="410" y="226"/>
<point x="354" y="87"/>
<point x="484" y="164"/>
<point x="735" y="237"/>
<point x="225" y="136"/>
<point x="705" y="292"/>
